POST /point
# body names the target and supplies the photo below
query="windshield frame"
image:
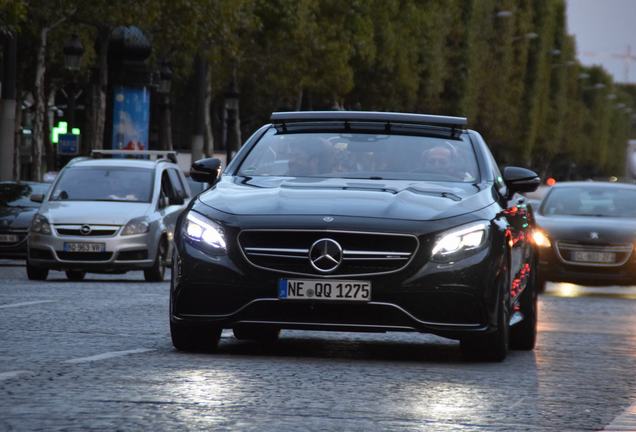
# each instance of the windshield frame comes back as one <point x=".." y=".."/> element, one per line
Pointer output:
<point x="236" y="166"/>
<point x="92" y="167"/>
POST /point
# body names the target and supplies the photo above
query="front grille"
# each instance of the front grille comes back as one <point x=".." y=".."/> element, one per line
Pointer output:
<point x="92" y="231"/>
<point x="287" y="251"/>
<point x="84" y="256"/>
<point x="594" y="255"/>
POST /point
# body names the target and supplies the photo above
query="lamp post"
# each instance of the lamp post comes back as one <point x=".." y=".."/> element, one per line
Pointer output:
<point x="73" y="51"/>
<point x="165" y="84"/>
<point x="231" y="105"/>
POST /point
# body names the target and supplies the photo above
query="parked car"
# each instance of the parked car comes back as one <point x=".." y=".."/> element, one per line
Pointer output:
<point x="357" y="221"/>
<point x="585" y="234"/>
<point x="107" y="216"/>
<point x="16" y="213"/>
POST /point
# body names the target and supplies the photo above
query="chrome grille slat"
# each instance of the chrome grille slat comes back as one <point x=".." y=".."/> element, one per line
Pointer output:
<point x="287" y="251"/>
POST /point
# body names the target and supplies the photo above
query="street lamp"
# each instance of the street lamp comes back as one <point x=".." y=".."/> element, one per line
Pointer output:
<point x="231" y="99"/>
<point x="73" y="51"/>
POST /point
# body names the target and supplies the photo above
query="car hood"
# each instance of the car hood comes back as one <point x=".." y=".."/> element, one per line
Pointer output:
<point x="16" y="217"/>
<point x="393" y="199"/>
<point x="93" y="212"/>
<point x="580" y="229"/>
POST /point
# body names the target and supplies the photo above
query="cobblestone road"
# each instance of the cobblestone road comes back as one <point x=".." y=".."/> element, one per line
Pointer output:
<point x="96" y="355"/>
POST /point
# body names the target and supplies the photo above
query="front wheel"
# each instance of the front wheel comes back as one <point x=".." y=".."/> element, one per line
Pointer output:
<point x="187" y="337"/>
<point x="36" y="273"/>
<point x="158" y="269"/>
<point x="523" y="335"/>
<point x="492" y="346"/>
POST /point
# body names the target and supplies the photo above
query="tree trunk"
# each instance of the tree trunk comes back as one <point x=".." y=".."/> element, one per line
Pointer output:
<point x="96" y="112"/>
<point x="40" y="105"/>
<point x="17" y="166"/>
<point x="209" y="136"/>
<point x="49" y="151"/>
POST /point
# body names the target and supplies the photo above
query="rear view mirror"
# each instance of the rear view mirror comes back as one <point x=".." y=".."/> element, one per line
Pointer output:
<point x="519" y="179"/>
<point x="206" y="170"/>
<point x="38" y="198"/>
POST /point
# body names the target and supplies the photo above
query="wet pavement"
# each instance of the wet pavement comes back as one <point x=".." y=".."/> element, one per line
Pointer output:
<point x="96" y="355"/>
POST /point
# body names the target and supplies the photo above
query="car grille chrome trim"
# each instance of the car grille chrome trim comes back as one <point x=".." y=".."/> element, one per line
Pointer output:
<point x="96" y="230"/>
<point x="353" y="256"/>
<point x="563" y="248"/>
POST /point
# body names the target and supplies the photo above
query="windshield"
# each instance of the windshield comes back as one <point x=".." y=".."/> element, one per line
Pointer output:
<point x="591" y="201"/>
<point x="104" y="184"/>
<point x="18" y="194"/>
<point x="361" y="156"/>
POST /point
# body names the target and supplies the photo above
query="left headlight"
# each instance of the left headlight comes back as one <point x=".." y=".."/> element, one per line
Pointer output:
<point x="136" y="226"/>
<point x="460" y="242"/>
<point x="200" y="229"/>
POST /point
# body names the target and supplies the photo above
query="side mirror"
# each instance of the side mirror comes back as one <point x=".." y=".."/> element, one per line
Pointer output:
<point x="38" y="198"/>
<point x="519" y="179"/>
<point x="206" y="170"/>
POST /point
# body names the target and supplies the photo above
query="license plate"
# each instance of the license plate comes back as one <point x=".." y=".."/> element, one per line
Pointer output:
<point x="594" y="257"/>
<point x="84" y="247"/>
<point x="8" y="238"/>
<point x="308" y="289"/>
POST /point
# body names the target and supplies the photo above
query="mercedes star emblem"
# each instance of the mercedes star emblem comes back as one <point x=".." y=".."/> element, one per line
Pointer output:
<point x="85" y="230"/>
<point x="594" y="235"/>
<point x="325" y="255"/>
<point x="327" y="219"/>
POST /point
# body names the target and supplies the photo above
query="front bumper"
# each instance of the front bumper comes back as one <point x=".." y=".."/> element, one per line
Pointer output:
<point x="121" y="253"/>
<point x="17" y="249"/>
<point x="451" y="300"/>
<point x="552" y="268"/>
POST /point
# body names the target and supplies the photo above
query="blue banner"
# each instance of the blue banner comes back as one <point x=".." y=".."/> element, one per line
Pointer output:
<point x="131" y="118"/>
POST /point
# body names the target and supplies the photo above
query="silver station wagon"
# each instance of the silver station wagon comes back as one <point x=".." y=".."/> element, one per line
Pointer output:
<point x="108" y="215"/>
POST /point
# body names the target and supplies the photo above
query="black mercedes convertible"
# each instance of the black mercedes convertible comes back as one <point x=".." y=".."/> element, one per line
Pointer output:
<point x="358" y="221"/>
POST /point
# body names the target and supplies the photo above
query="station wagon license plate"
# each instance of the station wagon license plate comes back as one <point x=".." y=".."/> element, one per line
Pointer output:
<point x="8" y="238"/>
<point x="594" y="257"/>
<point x="308" y="289"/>
<point x="84" y="247"/>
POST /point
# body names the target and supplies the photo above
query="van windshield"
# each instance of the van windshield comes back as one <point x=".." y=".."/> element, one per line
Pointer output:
<point x="104" y="184"/>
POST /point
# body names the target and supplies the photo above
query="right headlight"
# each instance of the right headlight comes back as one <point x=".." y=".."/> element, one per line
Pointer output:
<point x="540" y="238"/>
<point x="40" y="225"/>
<point x="202" y="230"/>
<point x="460" y="242"/>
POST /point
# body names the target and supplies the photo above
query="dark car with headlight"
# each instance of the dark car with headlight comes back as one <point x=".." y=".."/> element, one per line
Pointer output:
<point x="16" y="213"/>
<point x="352" y="221"/>
<point x="585" y="234"/>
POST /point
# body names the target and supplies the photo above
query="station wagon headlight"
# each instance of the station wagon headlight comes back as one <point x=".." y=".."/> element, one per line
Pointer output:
<point x="136" y="226"/>
<point x="459" y="242"/>
<point x="540" y="238"/>
<point x="40" y="225"/>
<point x="201" y="229"/>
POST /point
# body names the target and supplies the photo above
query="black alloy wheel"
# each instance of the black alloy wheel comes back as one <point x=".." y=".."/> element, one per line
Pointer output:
<point x="36" y="273"/>
<point x="493" y="346"/>
<point x="158" y="269"/>
<point x="75" y="275"/>
<point x="194" y="338"/>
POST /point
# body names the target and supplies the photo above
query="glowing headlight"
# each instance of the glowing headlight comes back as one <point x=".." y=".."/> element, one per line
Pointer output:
<point x="453" y="243"/>
<point x="136" y="226"/>
<point x="201" y="229"/>
<point x="540" y="238"/>
<point x="40" y="225"/>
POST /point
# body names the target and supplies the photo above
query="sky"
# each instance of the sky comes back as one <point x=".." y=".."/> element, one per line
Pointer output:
<point x="604" y="28"/>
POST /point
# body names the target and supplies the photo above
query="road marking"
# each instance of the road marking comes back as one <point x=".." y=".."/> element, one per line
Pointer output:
<point x="625" y="421"/>
<point x="12" y="374"/>
<point x="10" y="305"/>
<point x="108" y="355"/>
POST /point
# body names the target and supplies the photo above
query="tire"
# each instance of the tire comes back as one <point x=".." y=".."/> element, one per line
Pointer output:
<point x="262" y="334"/>
<point x="194" y="338"/>
<point x="158" y="269"/>
<point x="36" y="273"/>
<point x="523" y="335"/>
<point x="492" y="346"/>
<point x="75" y="275"/>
